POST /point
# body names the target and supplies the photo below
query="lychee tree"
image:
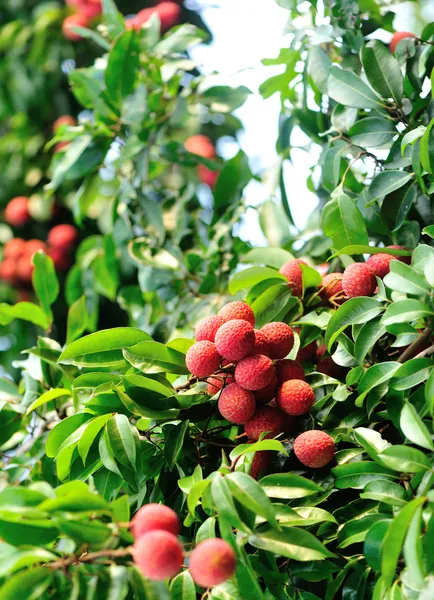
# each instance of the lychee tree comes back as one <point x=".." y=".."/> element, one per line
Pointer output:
<point x="285" y="449"/>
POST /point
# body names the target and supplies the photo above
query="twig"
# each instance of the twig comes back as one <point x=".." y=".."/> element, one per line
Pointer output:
<point x="87" y="557"/>
<point x="414" y="346"/>
<point x="425" y="352"/>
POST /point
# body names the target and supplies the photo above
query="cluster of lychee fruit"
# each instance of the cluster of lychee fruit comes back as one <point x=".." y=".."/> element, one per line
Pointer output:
<point x="256" y="385"/>
<point x="202" y="146"/>
<point x="168" y="12"/>
<point x="84" y="12"/>
<point x="159" y="553"/>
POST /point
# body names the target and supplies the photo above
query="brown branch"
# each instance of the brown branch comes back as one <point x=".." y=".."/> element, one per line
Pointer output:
<point x="88" y="557"/>
<point x="414" y="346"/>
<point x="426" y="352"/>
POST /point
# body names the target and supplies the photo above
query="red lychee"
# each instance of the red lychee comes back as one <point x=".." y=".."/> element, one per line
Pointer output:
<point x="238" y="310"/>
<point x="158" y="554"/>
<point x="25" y="268"/>
<point x="212" y="562"/>
<point x="295" y="397"/>
<point x="260" y="463"/>
<point x="64" y="120"/>
<point x="62" y="236"/>
<point x="207" y="328"/>
<point x="8" y="270"/>
<point x="60" y="146"/>
<point x="314" y="449"/>
<point x="254" y="372"/>
<point x="236" y="404"/>
<point x="280" y="339"/>
<point x="77" y="20"/>
<point x="202" y="359"/>
<point x="154" y="516"/>
<point x="404" y="259"/>
<point x="207" y="176"/>
<point x="169" y="13"/>
<point x="32" y="246"/>
<point x="200" y="145"/>
<point x="14" y="248"/>
<point x="235" y="339"/>
<point x="261" y="343"/>
<point x="293" y="273"/>
<point x="379" y="264"/>
<point x="218" y="381"/>
<point x="267" y="393"/>
<point x="331" y="286"/>
<point x="59" y="258"/>
<point x="397" y="37"/>
<point x="17" y="211"/>
<point x="289" y="369"/>
<point x="266" y="419"/>
<point x="358" y="281"/>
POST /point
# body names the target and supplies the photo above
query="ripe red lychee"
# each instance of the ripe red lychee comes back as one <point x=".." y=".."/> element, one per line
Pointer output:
<point x="261" y="343"/>
<point x="358" y="281"/>
<point x="32" y="246"/>
<point x="295" y="397"/>
<point x="327" y="365"/>
<point x="169" y="13"/>
<point x="236" y="404"/>
<point x="62" y="236"/>
<point x="14" y="248"/>
<point x="267" y="393"/>
<point x="289" y="369"/>
<point x="293" y="273"/>
<point x="266" y="419"/>
<point x="200" y="145"/>
<point x="280" y="339"/>
<point x="314" y="449"/>
<point x="331" y="286"/>
<point x="218" y="381"/>
<point x="152" y="517"/>
<point x="207" y="176"/>
<point x="64" y="120"/>
<point x="25" y="268"/>
<point x="238" y="310"/>
<point x="207" y="328"/>
<point x="202" y="359"/>
<point x="59" y="258"/>
<point x="77" y="20"/>
<point x="404" y="259"/>
<point x="158" y="554"/>
<point x="17" y="211"/>
<point x="379" y="264"/>
<point x="397" y="37"/>
<point x="60" y="146"/>
<point x="212" y="562"/>
<point x="8" y="270"/>
<point x="254" y="372"/>
<point x="260" y="463"/>
<point x="235" y="339"/>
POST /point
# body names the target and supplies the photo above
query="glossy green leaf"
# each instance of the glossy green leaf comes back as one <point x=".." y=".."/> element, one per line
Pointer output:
<point x="27" y="311"/>
<point x="182" y="587"/>
<point x="405" y="311"/>
<point x="372" y="132"/>
<point x="385" y="491"/>
<point x="251" y="495"/>
<point x="354" y="311"/>
<point x="153" y="357"/>
<point x="343" y="222"/>
<point x="174" y="442"/>
<point x="121" y="440"/>
<point x="291" y="542"/>
<point x="45" y="282"/>
<point x="29" y="585"/>
<point x="405" y="459"/>
<point x="48" y="397"/>
<point x="249" y="277"/>
<point x="382" y="70"/>
<point x="348" y="89"/>
<point x="288" y="485"/>
<point x="414" y="428"/>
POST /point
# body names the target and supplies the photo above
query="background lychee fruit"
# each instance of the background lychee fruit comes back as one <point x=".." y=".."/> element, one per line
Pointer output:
<point x="235" y="339"/>
<point x="260" y="463"/>
<point x="238" y="310"/>
<point x="314" y="448"/>
<point x="158" y="554"/>
<point x="280" y="339"/>
<point x="32" y="246"/>
<point x="8" y="270"/>
<point x="236" y="404"/>
<point x="295" y="397"/>
<point x="212" y="562"/>
<point x="331" y="286"/>
<point x="207" y="328"/>
<point x="77" y="20"/>
<point x="261" y="343"/>
<point x="254" y="372"/>
<point x="24" y="268"/>
<point x="379" y="264"/>
<point x="289" y="369"/>
<point x="62" y="236"/>
<point x="267" y="393"/>
<point x="200" y="145"/>
<point x="169" y="13"/>
<point x="17" y="211"/>
<point x="404" y="259"/>
<point x="358" y="280"/>
<point x="202" y="359"/>
<point x="266" y="419"/>
<point x="397" y="37"/>
<point x="14" y="248"/>
<point x="154" y="516"/>
<point x="293" y="273"/>
<point x="218" y="381"/>
<point x="64" y="120"/>
<point x="207" y="176"/>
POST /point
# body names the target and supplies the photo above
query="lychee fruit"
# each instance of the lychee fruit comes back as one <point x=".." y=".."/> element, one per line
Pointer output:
<point x="62" y="236"/>
<point x="202" y="359"/>
<point x="158" y="554"/>
<point x="331" y="286"/>
<point x="212" y="562"/>
<point x="397" y="37"/>
<point x="266" y="419"/>
<point x="59" y="258"/>
<point x="32" y="246"/>
<point x="267" y="393"/>
<point x="236" y="404"/>
<point x="24" y="268"/>
<point x="64" y="120"/>
<point x="238" y="310"/>
<point x="327" y="365"/>
<point x="218" y="381"/>
<point x="207" y="328"/>
<point x="280" y="339"/>
<point x="169" y="13"/>
<point x="207" y="176"/>
<point x="379" y="264"/>
<point x="154" y="516"/>
<point x="293" y="273"/>
<point x="254" y="372"/>
<point x="235" y="339"/>
<point x="260" y="463"/>
<point x="289" y="369"/>
<point x="314" y="449"/>
<point x="14" y="248"/>
<point x="358" y="280"/>
<point x="8" y="270"/>
<point x="295" y="397"/>
<point x="76" y="20"/>
<point x="261" y="343"/>
<point x="404" y="259"/>
<point x="200" y="145"/>
<point x="17" y="211"/>
<point x="60" y="146"/>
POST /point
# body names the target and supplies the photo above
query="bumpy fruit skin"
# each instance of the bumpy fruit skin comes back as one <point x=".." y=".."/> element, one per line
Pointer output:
<point x="207" y="328"/>
<point x="280" y="339"/>
<point x="158" y="554"/>
<point x="8" y="270"/>
<point x="379" y="264"/>
<point x="212" y="562"/>
<point x="218" y="381"/>
<point x="62" y="236"/>
<point x="153" y="517"/>
<point x="260" y="463"/>
<point x="404" y="259"/>
<point x="266" y="418"/>
<point x="267" y="393"/>
<point x="17" y="211"/>
<point x="77" y="20"/>
<point x="64" y="120"/>
<point x="331" y="286"/>
<point x="261" y="343"/>
<point x="314" y="449"/>
<point x="235" y="339"/>
<point x="289" y="369"/>
<point x="295" y="397"/>
<point x="397" y="37"/>
<point x="238" y="310"/>
<point x="202" y="359"/>
<point x="236" y="404"/>
<point x="254" y="372"/>
<point x="200" y="145"/>
<point x="358" y="281"/>
<point x="14" y="248"/>
<point x="293" y="273"/>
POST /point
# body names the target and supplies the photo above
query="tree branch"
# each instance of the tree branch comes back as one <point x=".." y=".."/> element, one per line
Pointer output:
<point x="414" y="346"/>
<point x="88" y="557"/>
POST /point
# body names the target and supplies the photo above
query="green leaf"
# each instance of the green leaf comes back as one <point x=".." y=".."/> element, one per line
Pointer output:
<point x="375" y="376"/>
<point x="411" y="373"/>
<point x="291" y="542"/>
<point x="403" y="278"/>
<point x="357" y="474"/>
<point x="385" y="491"/>
<point x="27" y="311"/>
<point x="224" y="503"/>
<point x="250" y="277"/>
<point x="112" y="17"/>
<point x="181" y="39"/>
<point x="348" y="89"/>
<point x="382" y="70"/>
<point x="121" y="439"/>
<point x="288" y="486"/>
<point x="414" y="428"/>
<point x="405" y="311"/>
<point x="122" y="66"/>
<point x="89" y="435"/>
<point x="385" y="183"/>
<point x="429" y="393"/>
<point x="354" y="531"/>
<point x="343" y="222"/>
<point x="354" y="311"/>
<point x="77" y="322"/>
<point x="367" y="337"/>
<point x="372" y="132"/>
<point x="48" y="397"/>
<point x="364" y="249"/>
<point x="153" y="357"/>
<point x="63" y="430"/>
<point x="319" y="65"/>
<point x="28" y="585"/>
<point x="79" y="501"/>
<point x="373" y="543"/>
<point x="174" y="443"/>
<point x="16" y="530"/>
<point x="427" y="148"/>
<point x="225" y="99"/>
<point x="233" y="178"/>
<point x="272" y="257"/>
<point x="405" y="459"/>
<point x="182" y="587"/>
<point x="45" y="282"/>
<point x="251" y="495"/>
